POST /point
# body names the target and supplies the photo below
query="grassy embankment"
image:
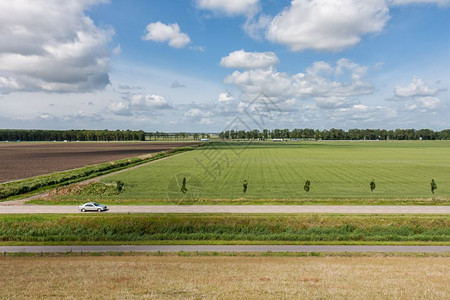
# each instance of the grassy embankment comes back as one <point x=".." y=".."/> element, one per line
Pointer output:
<point x="223" y="229"/>
<point x="340" y="173"/>
<point x="38" y="184"/>
<point x="140" y="277"/>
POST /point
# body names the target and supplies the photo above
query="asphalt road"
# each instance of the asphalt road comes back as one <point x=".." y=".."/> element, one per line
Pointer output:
<point x="224" y="248"/>
<point x="245" y="209"/>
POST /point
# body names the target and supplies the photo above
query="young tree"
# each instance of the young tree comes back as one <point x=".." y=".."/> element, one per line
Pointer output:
<point x="372" y="186"/>
<point x="245" y="185"/>
<point x="433" y="186"/>
<point x="183" y="186"/>
<point x="119" y="185"/>
<point x="307" y="186"/>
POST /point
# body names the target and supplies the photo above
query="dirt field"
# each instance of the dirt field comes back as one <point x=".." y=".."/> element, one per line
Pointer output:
<point x="22" y="160"/>
<point x="142" y="277"/>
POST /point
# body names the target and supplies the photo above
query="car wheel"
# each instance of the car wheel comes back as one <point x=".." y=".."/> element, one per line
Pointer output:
<point x="99" y="210"/>
<point x="83" y="210"/>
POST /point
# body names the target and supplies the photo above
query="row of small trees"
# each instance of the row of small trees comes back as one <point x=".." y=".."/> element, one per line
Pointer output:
<point x="306" y="187"/>
<point x="33" y="135"/>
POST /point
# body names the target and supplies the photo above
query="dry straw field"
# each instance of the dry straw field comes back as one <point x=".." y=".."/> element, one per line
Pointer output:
<point x="175" y="277"/>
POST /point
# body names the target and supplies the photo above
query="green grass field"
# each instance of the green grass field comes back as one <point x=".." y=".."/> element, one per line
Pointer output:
<point x="340" y="172"/>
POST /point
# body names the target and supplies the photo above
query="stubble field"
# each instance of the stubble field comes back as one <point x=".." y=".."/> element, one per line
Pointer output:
<point x="172" y="277"/>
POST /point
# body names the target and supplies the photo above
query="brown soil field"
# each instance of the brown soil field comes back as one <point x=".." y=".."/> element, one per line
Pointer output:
<point x="22" y="160"/>
<point x="147" y="277"/>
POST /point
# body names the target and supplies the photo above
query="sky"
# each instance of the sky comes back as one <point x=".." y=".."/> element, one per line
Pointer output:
<point x="213" y="65"/>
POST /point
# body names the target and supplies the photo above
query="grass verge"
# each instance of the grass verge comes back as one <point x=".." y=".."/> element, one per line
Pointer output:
<point x="220" y="228"/>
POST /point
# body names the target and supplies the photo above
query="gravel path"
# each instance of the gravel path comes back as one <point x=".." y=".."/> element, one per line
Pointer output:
<point x="244" y="209"/>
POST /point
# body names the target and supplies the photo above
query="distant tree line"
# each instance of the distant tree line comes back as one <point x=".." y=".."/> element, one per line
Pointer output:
<point x="94" y="135"/>
<point x="337" y="134"/>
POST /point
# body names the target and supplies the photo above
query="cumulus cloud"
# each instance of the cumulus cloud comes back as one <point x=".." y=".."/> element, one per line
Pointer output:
<point x="423" y="104"/>
<point x="225" y="97"/>
<point x="249" y="60"/>
<point x="121" y="108"/>
<point x="345" y="79"/>
<point x="170" y="33"/>
<point x="197" y="113"/>
<point x="417" y="88"/>
<point x="53" y="46"/>
<point x="418" y="96"/>
<point x="327" y="25"/>
<point x="149" y="102"/>
<point x="200" y="116"/>
<point x="138" y="104"/>
<point x="229" y="7"/>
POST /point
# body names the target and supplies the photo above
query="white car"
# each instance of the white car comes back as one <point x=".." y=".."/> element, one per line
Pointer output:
<point x="92" y="206"/>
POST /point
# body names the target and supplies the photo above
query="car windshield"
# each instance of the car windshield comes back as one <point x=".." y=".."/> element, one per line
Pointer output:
<point x="96" y="204"/>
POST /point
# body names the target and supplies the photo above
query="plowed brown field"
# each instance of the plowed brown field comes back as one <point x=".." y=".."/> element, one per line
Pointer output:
<point x="22" y="160"/>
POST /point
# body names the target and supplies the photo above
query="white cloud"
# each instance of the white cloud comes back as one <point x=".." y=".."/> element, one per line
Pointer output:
<point x="229" y="7"/>
<point x="139" y="104"/>
<point x="417" y="88"/>
<point x="160" y="32"/>
<point x="346" y="79"/>
<point x="121" y="108"/>
<point x="328" y="25"/>
<point x="249" y="60"/>
<point x="149" y="102"/>
<point x="225" y="97"/>
<point x="49" y="45"/>
<point x="424" y="104"/>
<point x="197" y="113"/>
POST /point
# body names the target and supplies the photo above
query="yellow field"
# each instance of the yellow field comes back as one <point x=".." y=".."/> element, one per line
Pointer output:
<point x="172" y="277"/>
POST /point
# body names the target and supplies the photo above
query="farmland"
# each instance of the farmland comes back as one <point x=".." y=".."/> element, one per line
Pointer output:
<point x="339" y="172"/>
<point x="178" y="277"/>
<point x="22" y="160"/>
<point x="223" y="228"/>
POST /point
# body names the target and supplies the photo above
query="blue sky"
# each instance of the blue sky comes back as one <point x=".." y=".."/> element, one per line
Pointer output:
<point x="208" y="65"/>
